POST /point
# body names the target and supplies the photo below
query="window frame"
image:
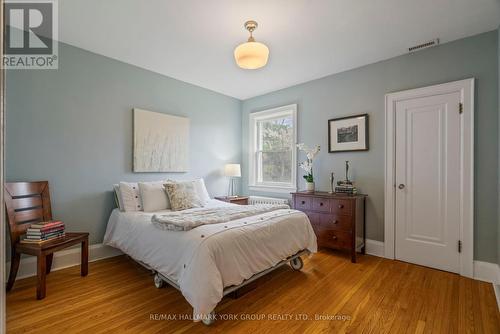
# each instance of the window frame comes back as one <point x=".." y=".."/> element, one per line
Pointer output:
<point x="253" y="149"/>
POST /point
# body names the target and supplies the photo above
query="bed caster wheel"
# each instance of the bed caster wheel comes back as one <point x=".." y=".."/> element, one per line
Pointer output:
<point x="159" y="283"/>
<point x="209" y="319"/>
<point x="297" y="263"/>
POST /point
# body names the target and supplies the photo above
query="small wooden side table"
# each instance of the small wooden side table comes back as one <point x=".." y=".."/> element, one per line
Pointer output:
<point x="241" y="200"/>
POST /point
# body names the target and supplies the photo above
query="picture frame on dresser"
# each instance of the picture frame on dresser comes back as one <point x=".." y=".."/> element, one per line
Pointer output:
<point x="338" y="220"/>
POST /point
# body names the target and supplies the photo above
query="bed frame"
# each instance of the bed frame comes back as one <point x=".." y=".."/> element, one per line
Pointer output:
<point x="295" y="262"/>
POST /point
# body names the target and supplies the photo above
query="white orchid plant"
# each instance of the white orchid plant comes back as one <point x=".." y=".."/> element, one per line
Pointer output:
<point x="307" y="165"/>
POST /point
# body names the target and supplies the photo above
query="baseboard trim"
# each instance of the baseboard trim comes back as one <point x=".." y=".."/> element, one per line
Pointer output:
<point x="487" y="272"/>
<point x="64" y="259"/>
<point x="496" y="288"/>
<point x="375" y="248"/>
<point x="483" y="271"/>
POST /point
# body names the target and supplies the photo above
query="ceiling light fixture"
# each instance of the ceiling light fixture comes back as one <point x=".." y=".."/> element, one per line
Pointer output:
<point x="251" y="55"/>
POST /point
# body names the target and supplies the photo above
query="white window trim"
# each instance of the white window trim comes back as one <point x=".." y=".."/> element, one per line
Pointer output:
<point x="252" y="148"/>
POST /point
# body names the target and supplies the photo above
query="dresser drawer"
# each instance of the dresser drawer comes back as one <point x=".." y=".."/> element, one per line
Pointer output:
<point x="316" y="229"/>
<point x="335" y="239"/>
<point x="313" y="217"/>
<point x="315" y="222"/>
<point x="321" y="204"/>
<point x="303" y="203"/>
<point x="341" y="206"/>
<point x="335" y="222"/>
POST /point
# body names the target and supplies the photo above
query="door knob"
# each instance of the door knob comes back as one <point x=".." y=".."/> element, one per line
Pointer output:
<point x="401" y="186"/>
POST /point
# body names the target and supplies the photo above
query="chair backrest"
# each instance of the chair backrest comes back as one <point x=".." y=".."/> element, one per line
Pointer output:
<point x="26" y="203"/>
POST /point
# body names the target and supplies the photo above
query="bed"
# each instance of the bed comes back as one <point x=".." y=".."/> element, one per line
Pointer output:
<point x="209" y="261"/>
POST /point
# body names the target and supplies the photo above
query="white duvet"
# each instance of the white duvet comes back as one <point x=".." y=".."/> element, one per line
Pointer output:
<point x="205" y="260"/>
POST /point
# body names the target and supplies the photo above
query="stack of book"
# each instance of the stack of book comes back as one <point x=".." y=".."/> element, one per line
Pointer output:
<point x="44" y="231"/>
<point x="346" y="187"/>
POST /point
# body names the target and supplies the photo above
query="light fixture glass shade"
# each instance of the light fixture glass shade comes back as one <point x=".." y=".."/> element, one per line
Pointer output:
<point x="232" y="170"/>
<point x="251" y="55"/>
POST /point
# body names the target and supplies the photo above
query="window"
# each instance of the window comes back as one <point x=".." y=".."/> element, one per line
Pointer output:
<point x="272" y="150"/>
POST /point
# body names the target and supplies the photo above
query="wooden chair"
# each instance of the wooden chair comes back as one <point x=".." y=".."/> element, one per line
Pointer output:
<point x="27" y="203"/>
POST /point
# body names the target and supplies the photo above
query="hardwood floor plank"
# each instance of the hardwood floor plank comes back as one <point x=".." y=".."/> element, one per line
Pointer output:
<point x="466" y="306"/>
<point x="374" y="295"/>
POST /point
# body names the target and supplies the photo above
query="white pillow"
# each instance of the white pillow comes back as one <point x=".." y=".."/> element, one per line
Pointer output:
<point x="131" y="197"/>
<point x="118" y="196"/>
<point x="154" y="197"/>
<point x="201" y="190"/>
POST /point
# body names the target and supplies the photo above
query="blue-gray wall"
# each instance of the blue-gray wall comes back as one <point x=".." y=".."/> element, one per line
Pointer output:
<point x="362" y="90"/>
<point x="73" y="127"/>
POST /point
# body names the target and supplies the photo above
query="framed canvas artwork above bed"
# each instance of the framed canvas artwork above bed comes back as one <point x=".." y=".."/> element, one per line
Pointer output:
<point x="348" y="134"/>
<point x="161" y="142"/>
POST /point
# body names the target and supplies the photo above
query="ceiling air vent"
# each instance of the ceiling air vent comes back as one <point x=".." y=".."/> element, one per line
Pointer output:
<point x="425" y="45"/>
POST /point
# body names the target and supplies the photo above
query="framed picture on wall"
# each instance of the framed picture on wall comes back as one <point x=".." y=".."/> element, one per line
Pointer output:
<point x="161" y="142"/>
<point x="347" y="134"/>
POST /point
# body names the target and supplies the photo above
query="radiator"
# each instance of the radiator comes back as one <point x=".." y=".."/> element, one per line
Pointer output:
<point x="252" y="200"/>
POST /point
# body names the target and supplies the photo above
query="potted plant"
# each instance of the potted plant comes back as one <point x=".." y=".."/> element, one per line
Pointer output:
<point x="307" y="165"/>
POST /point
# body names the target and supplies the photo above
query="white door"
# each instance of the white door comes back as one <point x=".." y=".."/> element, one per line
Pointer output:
<point x="428" y="181"/>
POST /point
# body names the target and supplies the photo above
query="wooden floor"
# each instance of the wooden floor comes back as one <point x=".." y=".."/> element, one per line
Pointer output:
<point x="373" y="296"/>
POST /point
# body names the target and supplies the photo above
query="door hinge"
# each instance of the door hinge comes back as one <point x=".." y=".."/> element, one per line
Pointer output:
<point x="460" y="108"/>
<point x="460" y="246"/>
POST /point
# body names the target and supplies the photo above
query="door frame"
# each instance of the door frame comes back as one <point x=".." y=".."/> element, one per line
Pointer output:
<point x="466" y="89"/>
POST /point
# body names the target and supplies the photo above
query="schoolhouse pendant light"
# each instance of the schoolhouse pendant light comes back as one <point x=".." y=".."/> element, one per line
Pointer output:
<point x="251" y="55"/>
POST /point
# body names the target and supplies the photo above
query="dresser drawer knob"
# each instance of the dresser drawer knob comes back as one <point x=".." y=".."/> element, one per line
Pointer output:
<point x="303" y="202"/>
<point x="335" y="222"/>
<point x="341" y="206"/>
<point x="321" y="204"/>
<point x="334" y="237"/>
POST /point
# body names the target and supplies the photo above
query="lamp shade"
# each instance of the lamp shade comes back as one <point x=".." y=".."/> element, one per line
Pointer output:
<point x="251" y="55"/>
<point x="233" y="170"/>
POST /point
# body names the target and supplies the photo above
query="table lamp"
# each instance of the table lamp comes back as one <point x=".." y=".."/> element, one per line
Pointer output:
<point x="232" y="171"/>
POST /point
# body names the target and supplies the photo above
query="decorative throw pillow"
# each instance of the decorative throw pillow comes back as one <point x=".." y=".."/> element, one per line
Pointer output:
<point x="118" y="197"/>
<point x="154" y="197"/>
<point x="182" y="195"/>
<point x="131" y="197"/>
<point x="201" y="190"/>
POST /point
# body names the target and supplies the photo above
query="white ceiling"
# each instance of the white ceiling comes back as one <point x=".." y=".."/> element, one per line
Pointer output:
<point x="193" y="40"/>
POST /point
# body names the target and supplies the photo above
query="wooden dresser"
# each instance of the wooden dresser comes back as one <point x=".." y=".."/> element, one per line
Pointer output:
<point x="337" y="219"/>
